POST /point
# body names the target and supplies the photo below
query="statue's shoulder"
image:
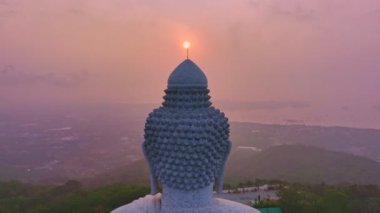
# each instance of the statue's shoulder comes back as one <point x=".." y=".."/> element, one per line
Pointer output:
<point x="147" y="204"/>
<point x="231" y="206"/>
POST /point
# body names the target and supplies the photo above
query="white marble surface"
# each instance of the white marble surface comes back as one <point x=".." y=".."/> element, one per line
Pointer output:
<point x="152" y="204"/>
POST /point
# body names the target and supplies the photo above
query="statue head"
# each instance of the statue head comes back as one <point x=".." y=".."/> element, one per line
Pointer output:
<point x="186" y="140"/>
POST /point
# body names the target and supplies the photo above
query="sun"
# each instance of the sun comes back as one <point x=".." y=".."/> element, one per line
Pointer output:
<point x="186" y="44"/>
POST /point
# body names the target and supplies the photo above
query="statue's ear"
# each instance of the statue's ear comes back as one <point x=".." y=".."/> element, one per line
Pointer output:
<point x="219" y="181"/>
<point x="153" y="179"/>
<point x="220" y="176"/>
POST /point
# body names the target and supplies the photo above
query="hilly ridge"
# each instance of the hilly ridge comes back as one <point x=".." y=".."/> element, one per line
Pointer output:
<point x="297" y="163"/>
<point x="294" y="163"/>
<point x="361" y="142"/>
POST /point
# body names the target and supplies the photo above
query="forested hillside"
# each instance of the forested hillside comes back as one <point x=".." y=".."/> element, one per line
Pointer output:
<point x="17" y="197"/>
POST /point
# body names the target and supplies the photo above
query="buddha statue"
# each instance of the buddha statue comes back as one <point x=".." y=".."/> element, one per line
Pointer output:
<point x="186" y="144"/>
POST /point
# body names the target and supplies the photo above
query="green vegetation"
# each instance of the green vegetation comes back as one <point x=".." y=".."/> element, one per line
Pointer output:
<point x="300" y="198"/>
<point x="71" y="197"/>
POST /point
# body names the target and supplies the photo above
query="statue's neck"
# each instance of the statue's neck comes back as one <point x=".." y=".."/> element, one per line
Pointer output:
<point x="173" y="198"/>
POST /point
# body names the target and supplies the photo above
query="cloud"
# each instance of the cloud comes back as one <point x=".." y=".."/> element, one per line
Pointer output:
<point x="297" y="13"/>
<point x="293" y="10"/>
<point x="4" y="3"/>
<point x="6" y="9"/>
<point x="263" y="105"/>
<point x="377" y="107"/>
<point x="10" y="76"/>
<point x="294" y="121"/>
<point x="75" y="11"/>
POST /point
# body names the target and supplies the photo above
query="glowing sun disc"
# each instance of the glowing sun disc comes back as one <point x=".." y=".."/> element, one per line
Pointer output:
<point x="186" y="45"/>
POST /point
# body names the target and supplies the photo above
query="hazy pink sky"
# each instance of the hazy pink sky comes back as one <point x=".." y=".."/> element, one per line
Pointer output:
<point x="319" y="52"/>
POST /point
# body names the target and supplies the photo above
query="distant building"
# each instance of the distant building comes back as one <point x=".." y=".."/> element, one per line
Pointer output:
<point x="270" y="210"/>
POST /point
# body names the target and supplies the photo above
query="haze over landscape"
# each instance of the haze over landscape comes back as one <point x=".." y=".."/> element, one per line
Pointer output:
<point x="298" y="80"/>
<point x="313" y="62"/>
